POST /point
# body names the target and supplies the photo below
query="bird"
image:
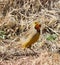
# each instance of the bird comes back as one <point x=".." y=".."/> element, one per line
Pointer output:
<point x="33" y="36"/>
<point x="30" y="37"/>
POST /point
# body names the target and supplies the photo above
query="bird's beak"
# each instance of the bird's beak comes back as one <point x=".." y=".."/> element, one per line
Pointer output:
<point x="37" y="26"/>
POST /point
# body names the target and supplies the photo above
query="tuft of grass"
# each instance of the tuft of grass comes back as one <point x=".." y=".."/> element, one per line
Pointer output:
<point x="51" y="37"/>
<point x="2" y="34"/>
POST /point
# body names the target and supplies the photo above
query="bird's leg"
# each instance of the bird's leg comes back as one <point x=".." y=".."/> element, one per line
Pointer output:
<point x="34" y="51"/>
<point x="25" y="51"/>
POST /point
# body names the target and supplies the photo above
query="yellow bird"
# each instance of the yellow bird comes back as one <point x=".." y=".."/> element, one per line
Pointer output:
<point x="33" y="37"/>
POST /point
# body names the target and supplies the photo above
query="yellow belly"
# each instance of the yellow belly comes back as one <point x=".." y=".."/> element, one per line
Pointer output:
<point x="31" y="41"/>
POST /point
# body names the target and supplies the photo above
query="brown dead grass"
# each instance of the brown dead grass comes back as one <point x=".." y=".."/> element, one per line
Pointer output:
<point x="15" y="14"/>
<point x="45" y="58"/>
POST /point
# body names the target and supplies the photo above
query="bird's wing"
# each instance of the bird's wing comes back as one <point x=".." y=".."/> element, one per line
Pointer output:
<point x="33" y="37"/>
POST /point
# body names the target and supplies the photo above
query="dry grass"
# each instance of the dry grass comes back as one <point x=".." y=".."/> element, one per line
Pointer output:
<point x="16" y="17"/>
<point x="45" y="58"/>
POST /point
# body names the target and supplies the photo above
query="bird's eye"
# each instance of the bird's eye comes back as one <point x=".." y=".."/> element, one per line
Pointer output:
<point x="37" y="26"/>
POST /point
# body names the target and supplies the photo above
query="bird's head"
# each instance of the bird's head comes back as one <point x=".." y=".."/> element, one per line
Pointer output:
<point x="37" y="26"/>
